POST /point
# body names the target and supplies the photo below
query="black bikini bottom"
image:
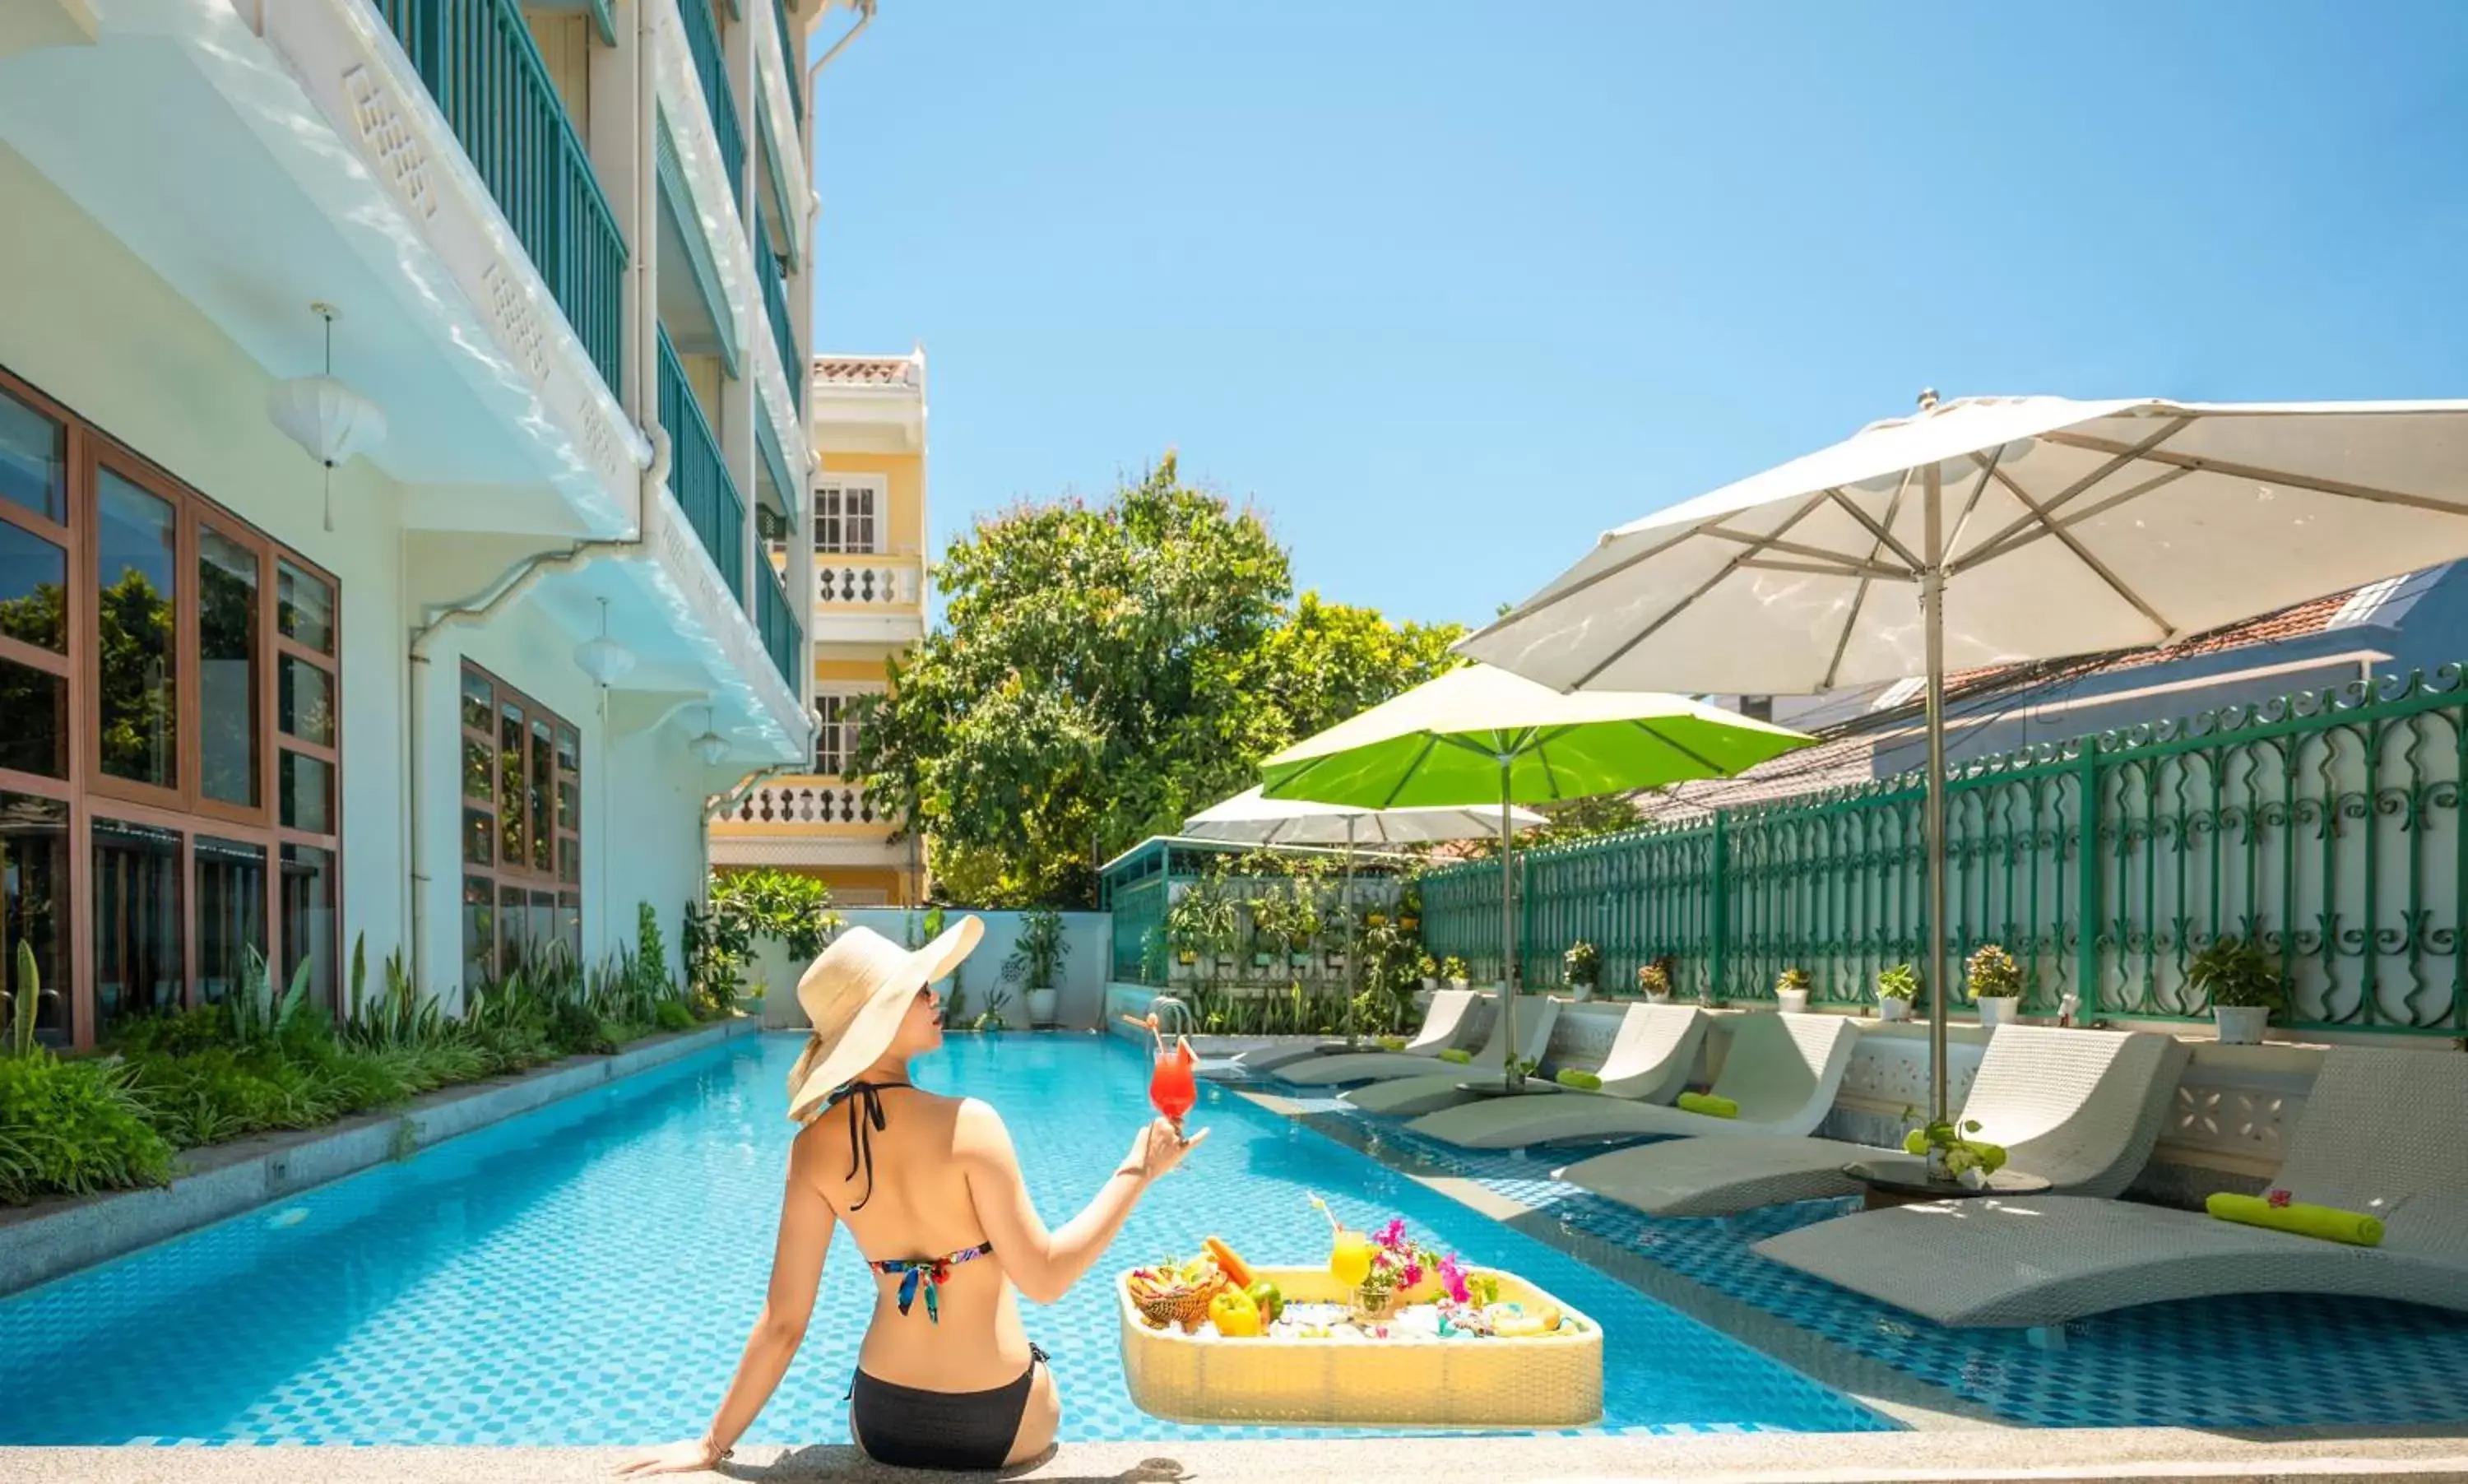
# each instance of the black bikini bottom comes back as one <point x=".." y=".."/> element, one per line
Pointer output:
<point x="965" y="1431"/>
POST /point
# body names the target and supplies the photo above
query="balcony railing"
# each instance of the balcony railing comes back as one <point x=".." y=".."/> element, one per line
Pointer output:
<point x="778" y="624"/>
<point x="792" y="60"/>
<point x="702" y="41"/>
<point x="807" y="804"/>
<point x="867" y="584"/>
<point x="775" y="306"/>
<point x="698" y="476"/>
<point x="481" y="65"/>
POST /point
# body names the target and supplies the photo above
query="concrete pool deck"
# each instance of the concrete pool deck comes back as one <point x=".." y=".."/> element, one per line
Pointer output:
<point x="2176" y="1456"/>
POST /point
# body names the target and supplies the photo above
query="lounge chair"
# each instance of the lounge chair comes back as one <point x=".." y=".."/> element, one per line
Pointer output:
<point x="2380" y="1133"/>
<point x="1782" y="1071"/>
<point x="1536" y="1016"/>
<point x="1443" y="1019"/>
<point x="1651" y="1056"/>
<point x="1477" y="1016"/>
<point x="2079" y="1108"/>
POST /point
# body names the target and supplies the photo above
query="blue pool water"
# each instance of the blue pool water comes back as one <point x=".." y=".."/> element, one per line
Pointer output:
<point x="586" y="1275"/>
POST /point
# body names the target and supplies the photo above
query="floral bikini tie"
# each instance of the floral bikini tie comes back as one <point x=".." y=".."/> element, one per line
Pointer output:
<point x="864" y="1101"/>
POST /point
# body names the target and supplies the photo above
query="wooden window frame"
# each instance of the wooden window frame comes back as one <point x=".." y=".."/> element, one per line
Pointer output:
<point x="522" y="877"/>
<point x="88" y="793"/>
<point x="835" y="489"/>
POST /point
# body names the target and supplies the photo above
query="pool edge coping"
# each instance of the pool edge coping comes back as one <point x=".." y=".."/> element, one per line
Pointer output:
<point x="52" y="1240"/>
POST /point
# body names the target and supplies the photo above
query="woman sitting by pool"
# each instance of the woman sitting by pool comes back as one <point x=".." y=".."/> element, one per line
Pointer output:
<point x="930" y="1190"/>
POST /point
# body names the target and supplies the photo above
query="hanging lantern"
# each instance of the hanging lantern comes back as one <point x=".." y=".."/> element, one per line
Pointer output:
<point x="325" y="416"/>
<point x="604" y="659"/>
<point x="710" y="746"/>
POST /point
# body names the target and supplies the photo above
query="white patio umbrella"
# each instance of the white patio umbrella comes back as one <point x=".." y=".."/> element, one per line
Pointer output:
<point x="1254" y="819"/>
<point x="1989" y="531"/>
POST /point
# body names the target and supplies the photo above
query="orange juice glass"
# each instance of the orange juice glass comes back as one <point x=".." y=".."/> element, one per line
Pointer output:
<point x="1349" y="1258"/>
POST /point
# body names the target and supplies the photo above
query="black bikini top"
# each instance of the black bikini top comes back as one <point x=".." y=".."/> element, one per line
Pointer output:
<point x="864" y="1100"/>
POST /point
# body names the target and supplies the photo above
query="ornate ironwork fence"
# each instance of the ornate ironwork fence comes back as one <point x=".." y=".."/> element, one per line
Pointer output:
<point x="1140" y="885"/>
<point x="2325" y="825"/>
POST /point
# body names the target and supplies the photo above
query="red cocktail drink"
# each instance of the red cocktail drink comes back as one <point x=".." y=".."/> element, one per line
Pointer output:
<point x="1171" y="1087"/>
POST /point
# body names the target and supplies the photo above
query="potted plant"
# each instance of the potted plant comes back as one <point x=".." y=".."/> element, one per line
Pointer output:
<point x="1452" y="972"/>
<point x="1994" y="982"/>
<point x="1429" y="969"/>
<point x="1039" y="955"/>
<point x="1584" y="965"/>
<point x="1790" y="991"/>
<point x="1896" y="989"/>
<point x="2243" y="985"/>
<point x="1653" y="982"/>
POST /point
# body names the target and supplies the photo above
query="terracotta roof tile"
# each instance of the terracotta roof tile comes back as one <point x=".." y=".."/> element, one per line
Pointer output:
<point x="866" y="370"/>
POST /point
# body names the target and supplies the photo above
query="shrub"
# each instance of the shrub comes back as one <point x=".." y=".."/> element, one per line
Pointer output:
<point x="71" y="1128"/>
<point x="1992" y="974"/>
<point x="673" y="1015"/>
<point x="1901" y="982"/>
<point x="2236" y="973"/>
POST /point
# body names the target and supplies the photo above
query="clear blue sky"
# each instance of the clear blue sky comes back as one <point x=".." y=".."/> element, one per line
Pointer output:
<point x="1447" y="288"/>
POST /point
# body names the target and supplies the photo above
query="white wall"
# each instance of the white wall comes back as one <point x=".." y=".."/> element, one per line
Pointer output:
<point x="1079" y="1006"/>
<point x="87" y="321"/>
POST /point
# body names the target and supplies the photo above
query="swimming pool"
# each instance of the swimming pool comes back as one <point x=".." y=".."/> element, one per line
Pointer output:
<point x="585" y="1275"/>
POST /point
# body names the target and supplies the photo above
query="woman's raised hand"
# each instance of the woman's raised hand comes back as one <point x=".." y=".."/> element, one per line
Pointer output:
<point x="1157" y="1147"/>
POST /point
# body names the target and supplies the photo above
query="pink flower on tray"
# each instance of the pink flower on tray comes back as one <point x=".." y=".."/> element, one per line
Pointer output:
<point x="2279" y="1199"/>
<point x="1453" y="1278"/>
<point x="1393" y="1235"/>
<point x="1413" y="1273"/>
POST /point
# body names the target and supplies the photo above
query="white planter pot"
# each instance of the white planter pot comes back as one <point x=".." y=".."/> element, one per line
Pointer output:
<point x="1429" y="984"/>
<point x="1041" y="1006"/>
<point x="1581" y="992"/>
<point x="1890" y="1008"/>
<point x="1661" y="997"/>
<point x="2241" y="1025"/>
<point x="1999" y="1009"/>
<point x="1791" y="1002"/>
<point x="1457" y="984"/>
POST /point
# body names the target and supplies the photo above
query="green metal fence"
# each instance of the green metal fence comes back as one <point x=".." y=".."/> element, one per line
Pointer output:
<point x="777" y="622"/>
<point x="2326" y="825"/>
<point x="795" y="62"/>
<point x="775" y="308"/>
<point x="719" y="97"/>
<point x="1140" y="885"/>
<point x="698" y="476"/>
<point x="482" y="68"/>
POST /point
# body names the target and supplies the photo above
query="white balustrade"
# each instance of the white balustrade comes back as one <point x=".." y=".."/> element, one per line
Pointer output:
<point x="864" y="583"/>
<point x="808" y="804"/>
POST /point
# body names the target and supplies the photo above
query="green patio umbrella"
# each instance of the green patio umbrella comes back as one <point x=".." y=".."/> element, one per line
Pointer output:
<point x="1484" y="736"/>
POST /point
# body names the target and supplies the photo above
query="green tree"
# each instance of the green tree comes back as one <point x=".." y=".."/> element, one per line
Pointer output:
<point x="1104" y="670"/>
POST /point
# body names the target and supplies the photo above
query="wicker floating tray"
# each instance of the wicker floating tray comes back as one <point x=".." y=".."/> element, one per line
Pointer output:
<point x="1545" y="1380"/>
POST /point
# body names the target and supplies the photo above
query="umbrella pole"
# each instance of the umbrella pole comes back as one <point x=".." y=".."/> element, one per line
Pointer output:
<point x="1507" y="930"/>
<point x="1354" y="933"/>
<point x="1932" y="622"/>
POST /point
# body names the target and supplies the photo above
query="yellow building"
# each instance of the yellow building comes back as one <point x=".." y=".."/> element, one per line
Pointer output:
<point x="866" y="415"/>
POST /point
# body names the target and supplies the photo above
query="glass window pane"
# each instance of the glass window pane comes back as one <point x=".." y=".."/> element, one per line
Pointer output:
<point x="227" y="742"/>
<point x="231" y="915"/>
<point x="569" y="925"/>
<point x="509" y="787"/>
<point x="569" y="860"/>
<point x="34" y="721"/>
<point x="34" y="589"/>
<point x="305" y="702"/>
<point x="479" y="700"/>
<point x="542" y="929"/>
<point x="479" y="771"/>
<point x="137" y="921"/>
<point x="569" y="750"/>
<point x="303" y="608"/>
<point x="479" y="932"/>
<point x="479" y="838"/>
<point x="308" y="793"/>
<point x="537" y="795"/>
<point x="34" y="467"/>
<point x="308" y="929"/>
<point x="34" y="906"/>
<point x="514" y="951"/>
<point x="569" y="807"/>
<point x="136" y="540"/>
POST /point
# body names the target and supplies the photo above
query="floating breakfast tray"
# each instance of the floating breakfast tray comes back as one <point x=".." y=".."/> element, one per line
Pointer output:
<point x="1408" y="1380"/>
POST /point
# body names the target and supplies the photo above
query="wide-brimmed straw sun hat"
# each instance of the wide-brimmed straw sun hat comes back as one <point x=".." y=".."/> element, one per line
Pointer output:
<point x="854" y="998"/>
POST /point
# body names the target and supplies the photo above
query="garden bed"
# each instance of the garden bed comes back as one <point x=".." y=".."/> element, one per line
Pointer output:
<point x="60" y="1235"/>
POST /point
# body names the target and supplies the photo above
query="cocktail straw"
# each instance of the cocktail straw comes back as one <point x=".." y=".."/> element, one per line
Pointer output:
<point x="1335" y="1225"/>
<point x="1148" y="1025"/>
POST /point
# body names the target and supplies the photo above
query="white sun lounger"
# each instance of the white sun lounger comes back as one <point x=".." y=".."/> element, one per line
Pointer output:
<point x="1537" y="1015"/>
<point x="1782" y="1070"/>
<point x="2380" y="1133"/>
<point x="1478" y="1013"/>
<point x="1651" y="1056"/>
<point x="1443" y="1018"/>
<point x="2079" y="1108"/>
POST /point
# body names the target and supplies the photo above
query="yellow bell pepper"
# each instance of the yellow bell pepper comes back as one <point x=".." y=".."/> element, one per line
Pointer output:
<point x="1234" y="1314"/>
